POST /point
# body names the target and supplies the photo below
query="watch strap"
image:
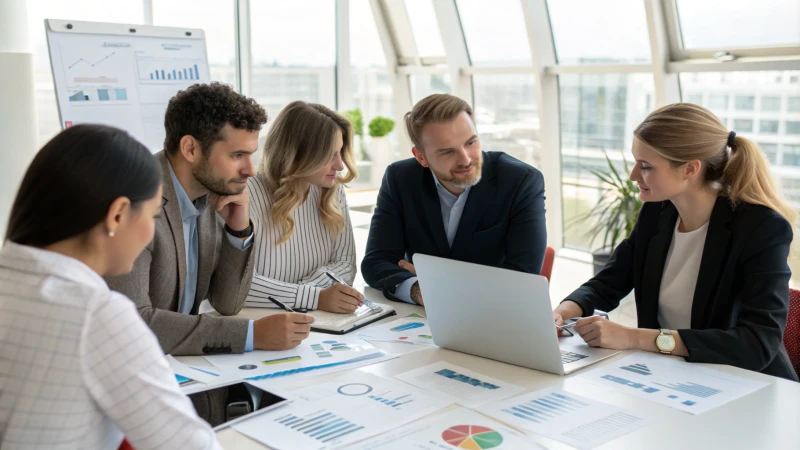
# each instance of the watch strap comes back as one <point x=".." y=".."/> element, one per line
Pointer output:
<point x="242" y="233"/>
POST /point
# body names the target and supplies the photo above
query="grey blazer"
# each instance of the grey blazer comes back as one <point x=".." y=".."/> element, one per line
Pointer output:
<point x="156" y="283"/>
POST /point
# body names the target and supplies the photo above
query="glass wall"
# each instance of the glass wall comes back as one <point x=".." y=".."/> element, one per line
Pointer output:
<point x="289" y="61"/>
<point x="598" y="115"/>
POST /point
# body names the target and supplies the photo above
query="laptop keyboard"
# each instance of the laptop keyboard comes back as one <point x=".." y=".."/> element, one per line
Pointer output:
<point x="569" y="357"/>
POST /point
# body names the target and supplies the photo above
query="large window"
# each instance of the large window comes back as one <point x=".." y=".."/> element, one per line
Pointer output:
<point x="599" y="32"/>
<point x="774" y="134"/>
<point x="598" y="115"/>
<point x="425" y="85"/>
<point x="507" y="115"/>
<point x="217" y="19"/>
<point x="124" y="11"/>
<point x="738" y="23"/>
<point x="371" y="88"/>
<point x="290" y="62"/>
<point x="504" y="22"/>
<point x="422" y="16"/>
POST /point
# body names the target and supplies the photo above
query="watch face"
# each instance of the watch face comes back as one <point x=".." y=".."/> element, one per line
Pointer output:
<point x="665" y="342"/>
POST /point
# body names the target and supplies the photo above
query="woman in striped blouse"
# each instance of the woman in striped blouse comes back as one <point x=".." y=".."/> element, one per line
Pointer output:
<point x="299" y="211"/>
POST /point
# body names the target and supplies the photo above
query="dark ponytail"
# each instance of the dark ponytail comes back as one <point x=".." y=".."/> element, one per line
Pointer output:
<point x="73" y="180"/>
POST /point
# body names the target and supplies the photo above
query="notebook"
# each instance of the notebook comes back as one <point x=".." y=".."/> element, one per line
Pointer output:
<point x="332" y="323"/>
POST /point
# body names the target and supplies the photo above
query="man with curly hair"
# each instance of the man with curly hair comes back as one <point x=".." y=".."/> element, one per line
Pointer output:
<point x="202" y="245"/>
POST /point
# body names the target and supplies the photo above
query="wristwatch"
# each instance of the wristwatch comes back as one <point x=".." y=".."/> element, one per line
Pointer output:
<point x="242" y="233"/>
<point x="665" y="341"/>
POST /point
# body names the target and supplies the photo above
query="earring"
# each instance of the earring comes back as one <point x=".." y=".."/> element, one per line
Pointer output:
<point x="110" y="234"/>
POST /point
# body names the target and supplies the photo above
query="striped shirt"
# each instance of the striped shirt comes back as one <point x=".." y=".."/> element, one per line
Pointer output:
<point x="294" y="271"/>
<point x="78" y="367"/>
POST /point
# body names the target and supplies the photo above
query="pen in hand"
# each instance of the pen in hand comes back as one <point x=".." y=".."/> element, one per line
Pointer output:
<point x="336" y="279"/>
<point x="280" y="305"/>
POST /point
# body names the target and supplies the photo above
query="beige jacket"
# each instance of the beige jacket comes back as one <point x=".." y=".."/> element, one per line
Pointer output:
<point x="157" y="281"/>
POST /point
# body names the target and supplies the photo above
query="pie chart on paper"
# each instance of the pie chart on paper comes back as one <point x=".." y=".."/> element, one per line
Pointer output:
<point x="472" y="437"/>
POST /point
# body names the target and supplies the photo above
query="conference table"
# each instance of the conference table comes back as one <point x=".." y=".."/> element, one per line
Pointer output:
<point x="768" y="418"/>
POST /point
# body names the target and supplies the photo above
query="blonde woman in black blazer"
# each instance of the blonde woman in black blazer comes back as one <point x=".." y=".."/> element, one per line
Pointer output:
<point x="728" y="292"/>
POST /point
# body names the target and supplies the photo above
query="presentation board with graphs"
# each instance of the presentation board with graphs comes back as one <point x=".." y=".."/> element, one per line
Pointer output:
<point x="123" y="75"/>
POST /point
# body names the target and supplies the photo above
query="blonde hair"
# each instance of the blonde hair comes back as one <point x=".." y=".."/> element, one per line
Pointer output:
<point x="300" y="143"/>
<point x="433" y="109"/>
<point x="683" y="132"/>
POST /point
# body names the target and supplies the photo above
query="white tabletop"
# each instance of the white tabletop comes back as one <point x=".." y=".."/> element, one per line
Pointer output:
<point x="768" y="418"/>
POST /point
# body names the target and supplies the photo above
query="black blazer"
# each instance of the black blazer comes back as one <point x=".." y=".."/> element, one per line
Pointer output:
<point x="741" y="299"/>
<point x="502" y="225"/>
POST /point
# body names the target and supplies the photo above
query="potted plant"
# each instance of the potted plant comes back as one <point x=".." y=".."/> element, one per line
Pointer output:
<point x="357" y="120"/>
<point x="380" y="147"/>
<point x="615" y="214"/>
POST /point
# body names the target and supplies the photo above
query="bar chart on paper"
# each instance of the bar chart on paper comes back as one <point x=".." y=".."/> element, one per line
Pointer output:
<point x="349" y="408"/>
<point x="323" y="426"/>
<point x="459" y="384"/>
<point x="674" y="383"/>
<point x="154" y="69"/>
<point x="302" y="426"/>
<point x="565" y="417"/>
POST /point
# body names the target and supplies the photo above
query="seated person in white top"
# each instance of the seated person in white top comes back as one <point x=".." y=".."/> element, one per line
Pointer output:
<point x="299" y="211"/>
<point x="80" y="369"/>
<point x="707" y="259"/>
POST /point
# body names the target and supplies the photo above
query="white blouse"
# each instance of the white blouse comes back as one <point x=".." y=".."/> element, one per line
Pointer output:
<point x="79" y="369"/>
<point x="679" y="280"/>
<point x="294" y="271"/>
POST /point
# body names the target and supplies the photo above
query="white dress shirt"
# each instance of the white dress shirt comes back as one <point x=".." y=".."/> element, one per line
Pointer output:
<point x="676" y="295"/>
<point x="79" y="368"/>
<point x="294" y="272"/>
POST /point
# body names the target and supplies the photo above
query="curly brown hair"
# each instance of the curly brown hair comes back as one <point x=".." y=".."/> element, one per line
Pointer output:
<point x="202" y="110"/>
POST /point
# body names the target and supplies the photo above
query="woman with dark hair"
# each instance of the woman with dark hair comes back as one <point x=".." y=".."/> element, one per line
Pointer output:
<point x="81" y="369"/>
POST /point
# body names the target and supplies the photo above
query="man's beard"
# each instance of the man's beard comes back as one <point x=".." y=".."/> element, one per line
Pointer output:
<point x="203" y="174"/>
<point x="462" y="183"/>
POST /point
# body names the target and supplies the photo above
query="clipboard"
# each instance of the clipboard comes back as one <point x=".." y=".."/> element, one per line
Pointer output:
<point x="332" y="323"/>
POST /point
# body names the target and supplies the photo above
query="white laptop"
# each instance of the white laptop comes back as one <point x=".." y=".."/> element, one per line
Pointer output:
<point x="498" y="314"/>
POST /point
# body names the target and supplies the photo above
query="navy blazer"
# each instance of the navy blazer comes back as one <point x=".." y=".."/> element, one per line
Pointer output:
<point x="502" y="225"/>
<point x="741" y="299"/>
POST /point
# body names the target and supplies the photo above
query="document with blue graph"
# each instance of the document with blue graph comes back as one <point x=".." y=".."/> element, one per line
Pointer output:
<point x="460" y="385"/>
<point x="565" y="417"/>
<point x="672" y="382"/>
<point x="347" y="409"/>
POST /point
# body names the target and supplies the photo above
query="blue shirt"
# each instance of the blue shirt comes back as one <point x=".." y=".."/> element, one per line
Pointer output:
<point x="190" y="211"/>
<point x="452" y="209"/>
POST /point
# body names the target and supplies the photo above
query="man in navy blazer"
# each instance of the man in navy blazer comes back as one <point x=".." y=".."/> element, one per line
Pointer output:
<point x="453" y="201"/>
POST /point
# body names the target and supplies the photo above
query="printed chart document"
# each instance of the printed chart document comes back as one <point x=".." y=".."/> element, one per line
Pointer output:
<point x="565" y="417"/>
<point x="317" y="355"/>
<point x="457" y="429"/>
<point x="672" y="382"/>
<point x="186" y="374"/>
<point x="460" y="385"/>
<point x="411" y="329"/>
<point x="348" y="409"/>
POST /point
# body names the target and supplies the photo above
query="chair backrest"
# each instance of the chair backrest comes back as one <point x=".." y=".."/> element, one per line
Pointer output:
<point x="791" y="337"/>
<point x="547" y="265"/>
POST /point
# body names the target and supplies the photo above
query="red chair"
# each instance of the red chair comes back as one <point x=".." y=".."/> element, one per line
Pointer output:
<point x="125" y="445"/>
<point x="791" y="337"/>
<point x="547" y="265"/>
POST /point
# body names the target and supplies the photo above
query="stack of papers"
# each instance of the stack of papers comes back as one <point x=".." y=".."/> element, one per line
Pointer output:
<point x="567" y="418"/>
<point x="456" y="429"/>
<point x="319" y="354"/>
<point x="675" y="383"/>
<point x="459" y="385"/>
<point x="412" y="330"/>
<point x="348" y="409"/>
